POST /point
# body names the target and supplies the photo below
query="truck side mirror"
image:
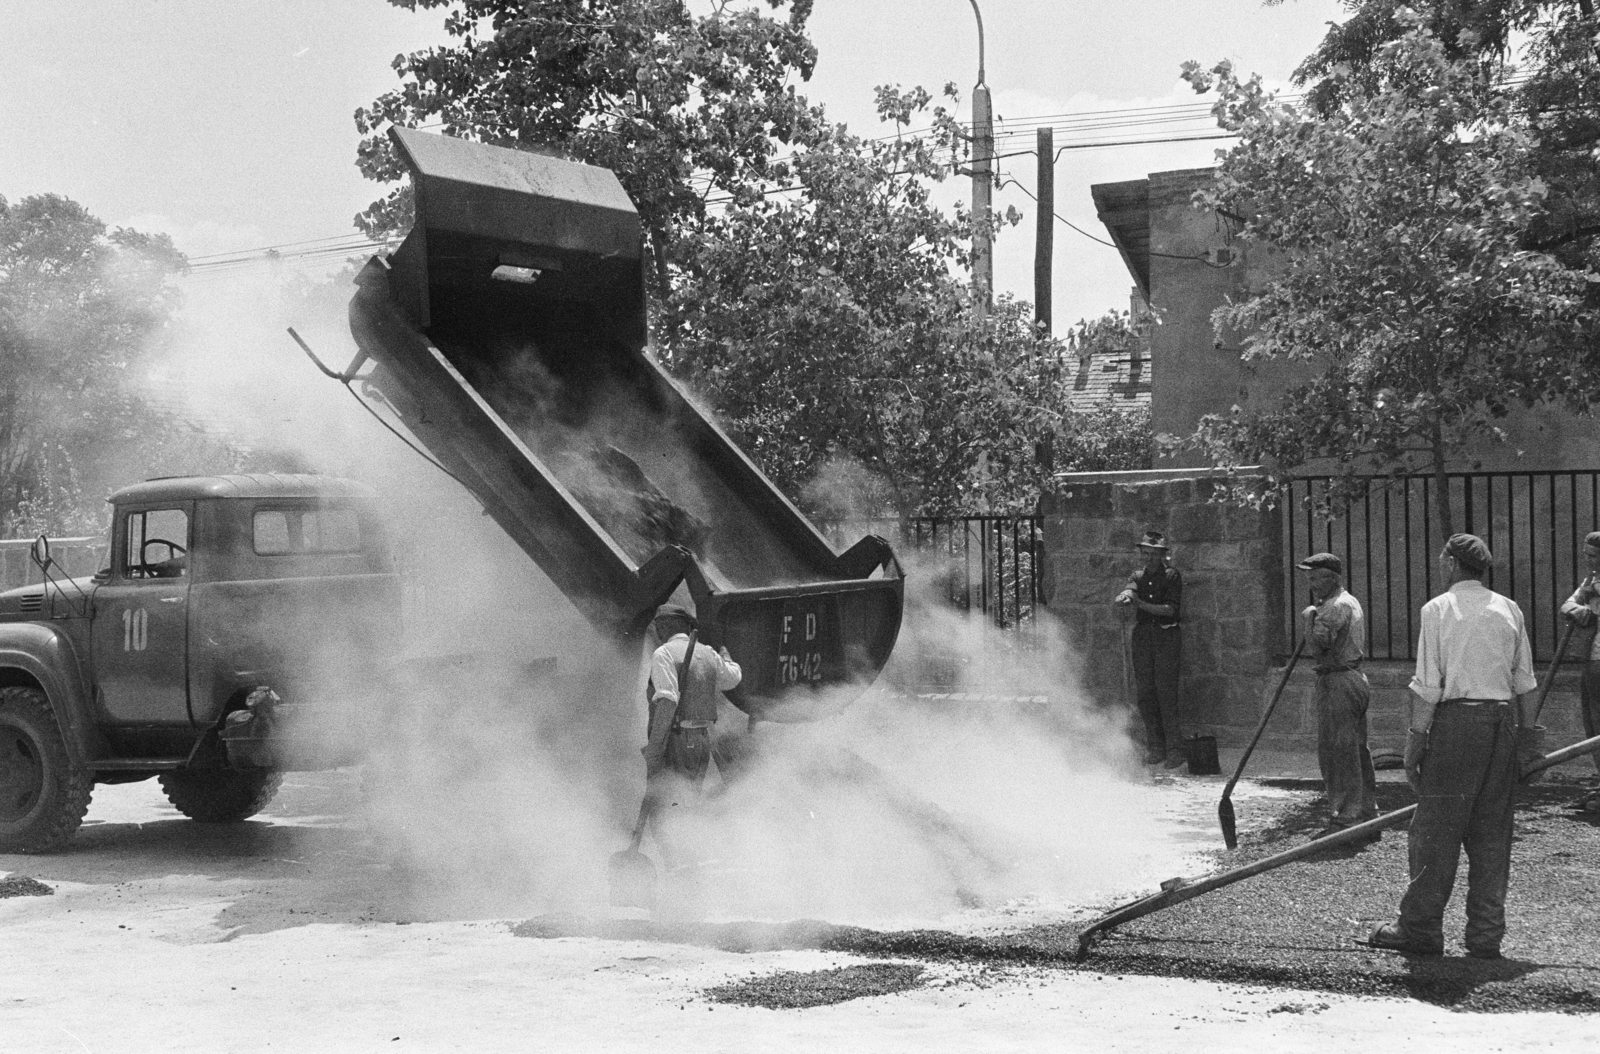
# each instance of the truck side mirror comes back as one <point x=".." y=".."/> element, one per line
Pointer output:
<point x="41" y="552"/>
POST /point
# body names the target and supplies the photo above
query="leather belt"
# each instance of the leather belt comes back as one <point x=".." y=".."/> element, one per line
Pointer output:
<point x="1476" y="702"/>
<point x="693" y="724"/>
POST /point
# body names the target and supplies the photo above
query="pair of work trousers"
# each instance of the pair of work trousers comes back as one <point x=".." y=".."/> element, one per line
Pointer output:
<point x="1469" y="775"/>
<point x="1346" y="763"/>
<point x="1155" y="678"/>
<point x="1591" y="704"/>
<point x="677" y="784"/>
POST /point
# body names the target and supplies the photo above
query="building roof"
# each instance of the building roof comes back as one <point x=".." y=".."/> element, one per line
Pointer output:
<point x="1125" y="210"/>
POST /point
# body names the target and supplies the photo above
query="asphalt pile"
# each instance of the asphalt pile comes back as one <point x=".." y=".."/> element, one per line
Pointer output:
<point x="1300" y="927"/>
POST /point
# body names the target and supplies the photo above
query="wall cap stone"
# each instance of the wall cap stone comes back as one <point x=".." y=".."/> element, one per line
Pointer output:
<point x="1152" y="475"/>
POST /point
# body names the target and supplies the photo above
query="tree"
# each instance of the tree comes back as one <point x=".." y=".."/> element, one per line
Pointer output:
<point x="832" y="324"/>
<point x="1400" y="219"/>
<point x="679" y="107"/>
<point x="1555" y="93"/>
<point x="81" y="306"/>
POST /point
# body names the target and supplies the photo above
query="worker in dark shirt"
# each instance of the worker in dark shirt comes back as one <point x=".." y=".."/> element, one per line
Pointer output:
<point x="1155" y="594"/>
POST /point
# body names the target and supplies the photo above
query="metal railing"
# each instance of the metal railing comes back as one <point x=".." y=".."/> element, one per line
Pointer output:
<point x="991" y="564"/>
<point x="1533" y="522"/>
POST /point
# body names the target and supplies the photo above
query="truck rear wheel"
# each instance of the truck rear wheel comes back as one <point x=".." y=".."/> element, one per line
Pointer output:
<point x="43" y="795"/>
<point x="220" y="795"/>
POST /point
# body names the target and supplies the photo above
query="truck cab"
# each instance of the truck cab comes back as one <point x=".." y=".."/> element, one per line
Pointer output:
<point x="242" y="626"/>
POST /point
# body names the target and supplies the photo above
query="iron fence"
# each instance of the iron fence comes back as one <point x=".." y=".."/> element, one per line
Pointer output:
<point x="1533" y="522"/>
<point x="991" y="564"/>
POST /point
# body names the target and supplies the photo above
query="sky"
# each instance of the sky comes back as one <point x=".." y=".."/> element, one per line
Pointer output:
<point x="228" y="126"/>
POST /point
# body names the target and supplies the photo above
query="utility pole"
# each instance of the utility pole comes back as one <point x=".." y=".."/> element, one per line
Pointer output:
<point x="982" y="185"/>
<point x="1044" y="239"/>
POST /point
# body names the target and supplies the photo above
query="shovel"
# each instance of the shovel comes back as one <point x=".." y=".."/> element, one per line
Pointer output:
<point x="1550" y="678"/>
<point x="1230" y="835"/>
<point x="632" y="874"/>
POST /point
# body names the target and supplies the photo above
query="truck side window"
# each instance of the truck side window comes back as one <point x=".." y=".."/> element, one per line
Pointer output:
<point x="322" y="530"/>
<point x="158" y="544"/>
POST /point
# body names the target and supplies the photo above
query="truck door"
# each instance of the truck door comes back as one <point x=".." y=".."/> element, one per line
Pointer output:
<point x="140" y="635"/>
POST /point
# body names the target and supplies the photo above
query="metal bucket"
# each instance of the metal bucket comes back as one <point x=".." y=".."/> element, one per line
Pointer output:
<point x="1202" y="754"/>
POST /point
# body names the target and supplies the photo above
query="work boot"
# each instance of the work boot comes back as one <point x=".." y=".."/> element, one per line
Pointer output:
<point x="1176" y="759"/>
<point x="1485" y="953"/>
<point x="1154" y="757"/>
<point x="1393" y="937"/>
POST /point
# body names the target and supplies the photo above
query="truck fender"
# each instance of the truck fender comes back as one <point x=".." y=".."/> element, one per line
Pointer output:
<point x="47" y="654"/>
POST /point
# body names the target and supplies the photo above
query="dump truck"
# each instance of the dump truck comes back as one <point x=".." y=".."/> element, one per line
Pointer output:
<point x="243" y="625"/>
<point x="508" y="335"/>
<point x="248" y="625"/>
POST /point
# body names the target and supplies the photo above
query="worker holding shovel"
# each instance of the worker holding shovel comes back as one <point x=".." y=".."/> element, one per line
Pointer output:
<point x="1583" y="609"/>
<point x="683" y="687"/>
<point x="1335" y="631"/>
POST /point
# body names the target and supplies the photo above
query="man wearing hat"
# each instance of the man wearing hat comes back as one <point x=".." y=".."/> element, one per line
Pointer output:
<point x="1583" y="608"/>
<point x="681" y="715"/>
<point x="1474" y="676"/>
<point x="1155" y="593"/>
<point x="1334" y="630"/>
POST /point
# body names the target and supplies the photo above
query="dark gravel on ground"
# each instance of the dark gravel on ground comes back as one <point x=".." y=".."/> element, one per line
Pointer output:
<point x="23" y="886"/>
<point x="795" y="990"/>
<point x="1298" y="927"/>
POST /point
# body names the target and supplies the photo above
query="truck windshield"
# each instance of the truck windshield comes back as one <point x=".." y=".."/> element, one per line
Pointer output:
<point x="314" y="530"/>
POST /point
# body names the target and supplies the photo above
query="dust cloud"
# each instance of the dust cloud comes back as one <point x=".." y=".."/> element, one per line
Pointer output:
<point x="503" y="764"/>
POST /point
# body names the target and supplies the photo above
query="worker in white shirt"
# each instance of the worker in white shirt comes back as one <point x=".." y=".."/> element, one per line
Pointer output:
<point x="1474" y="675"/>
<point x="681" y="716"/>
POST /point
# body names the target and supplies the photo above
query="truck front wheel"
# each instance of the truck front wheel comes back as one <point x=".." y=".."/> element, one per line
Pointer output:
<point x="43" y="795"/>
<point x="220" y="795"/>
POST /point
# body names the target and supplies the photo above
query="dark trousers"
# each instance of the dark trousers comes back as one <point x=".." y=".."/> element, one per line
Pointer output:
<point x="1591" y="704"/>
<point x="1342" y="754"/>
<point x="1468" y="778"/>
<point x="1155" y="678"/>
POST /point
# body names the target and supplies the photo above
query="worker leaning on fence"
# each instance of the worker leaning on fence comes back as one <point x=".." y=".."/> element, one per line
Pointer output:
<point x="1583" y="608"/>
<point x="1335" y="632"/>
<point x="1155" y="593"/>
<point x="1473" y="683"/>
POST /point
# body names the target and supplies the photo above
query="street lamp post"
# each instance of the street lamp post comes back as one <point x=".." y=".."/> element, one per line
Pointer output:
<point x="982" y="184"/>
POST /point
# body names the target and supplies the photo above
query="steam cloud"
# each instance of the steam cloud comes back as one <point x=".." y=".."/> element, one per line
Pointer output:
<point x="499" y="787"/>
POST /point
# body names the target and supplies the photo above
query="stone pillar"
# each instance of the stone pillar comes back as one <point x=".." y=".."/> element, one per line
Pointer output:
<point x="1231" y="562"/>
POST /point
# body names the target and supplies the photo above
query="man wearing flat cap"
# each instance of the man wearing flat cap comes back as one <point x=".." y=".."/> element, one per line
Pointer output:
<point x="1474" y="676"/>
<point x="1583" y="608"/>
<point x="1155" y="593"/>
<point x="1335" y="635"/>
<point x="682" y="691"/>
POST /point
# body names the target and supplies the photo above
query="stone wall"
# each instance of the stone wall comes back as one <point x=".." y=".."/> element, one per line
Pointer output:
<point x="1233" y="646"/>
<point x="1230" y="562"/>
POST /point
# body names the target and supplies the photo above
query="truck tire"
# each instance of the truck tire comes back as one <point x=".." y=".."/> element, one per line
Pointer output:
<point x="220" y="795"/>
<point x="43" y="795"/>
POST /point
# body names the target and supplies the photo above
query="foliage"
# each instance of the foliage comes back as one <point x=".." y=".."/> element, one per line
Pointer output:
<point x="1398" y="223"/>
<point x="80" y="307"/>
<point x="832" y="325"/>
<point x="1555" y="91"/>
<point x="680" y="107"/>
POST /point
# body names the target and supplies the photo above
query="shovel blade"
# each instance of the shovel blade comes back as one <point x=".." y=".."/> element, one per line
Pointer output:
<point x="1230" y="835"/>
<point x="632" y="879"/>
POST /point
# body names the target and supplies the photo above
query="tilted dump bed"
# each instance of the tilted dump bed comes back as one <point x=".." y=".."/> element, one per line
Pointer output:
<point x="509" y="333"/>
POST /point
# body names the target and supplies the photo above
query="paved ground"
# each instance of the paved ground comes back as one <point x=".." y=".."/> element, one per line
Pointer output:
<point x="296" y="932"/>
